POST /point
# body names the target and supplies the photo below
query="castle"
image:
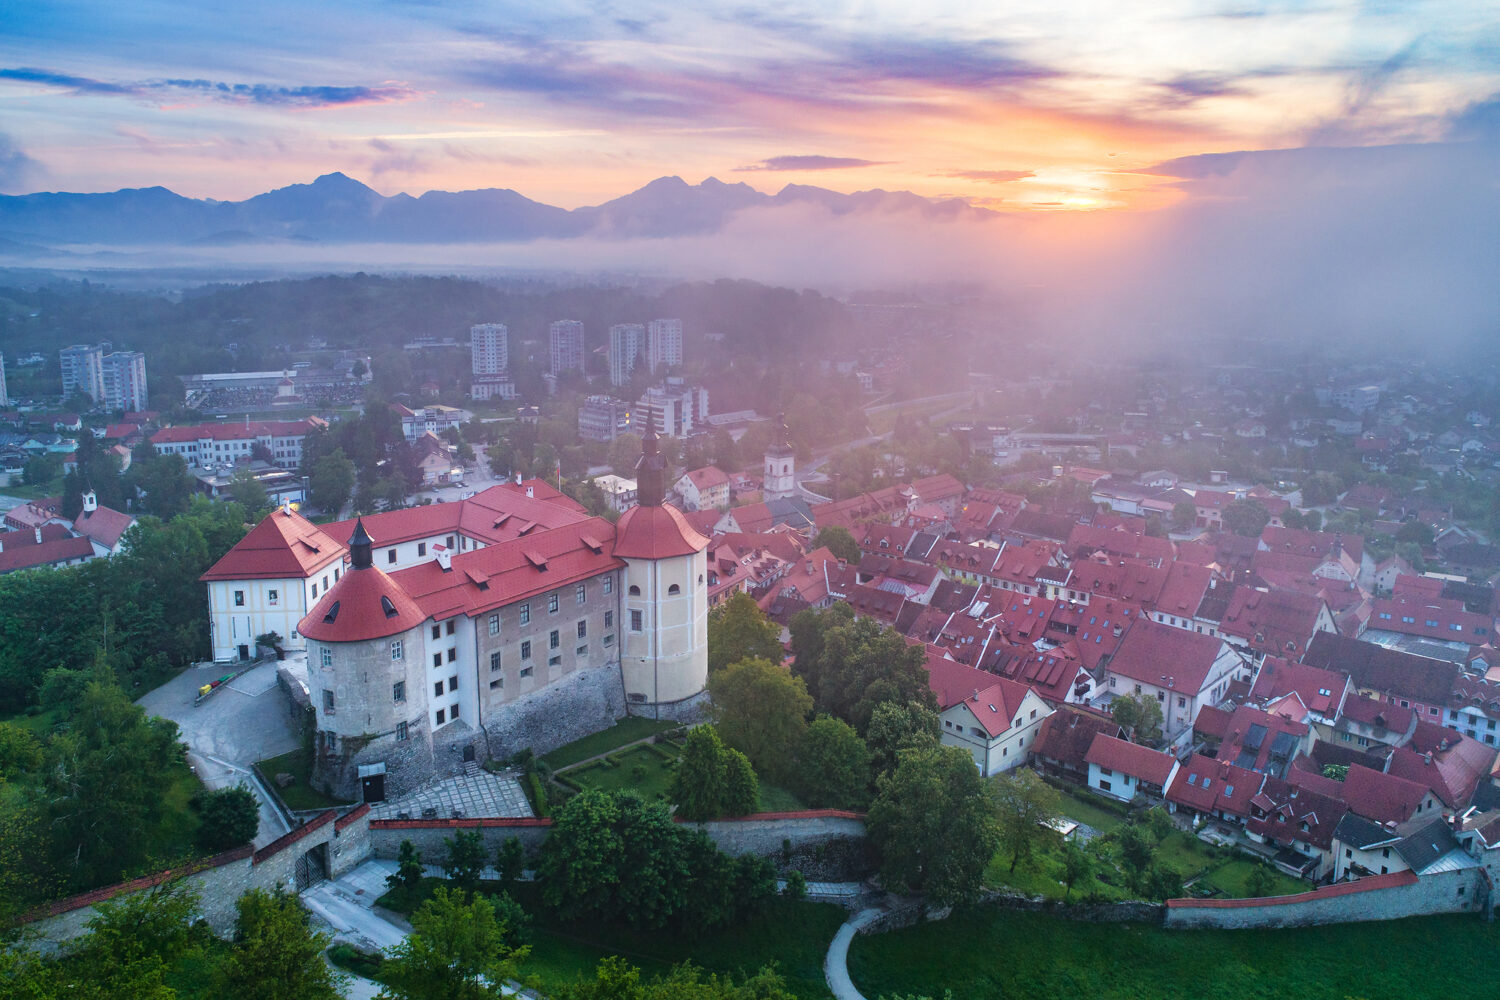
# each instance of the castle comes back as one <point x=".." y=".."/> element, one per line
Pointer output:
<point x="459" y="632"/>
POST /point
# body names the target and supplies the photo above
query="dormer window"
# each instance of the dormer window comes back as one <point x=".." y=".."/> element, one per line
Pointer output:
<point x="387" y="606"/>
<point x="332" y="614"/>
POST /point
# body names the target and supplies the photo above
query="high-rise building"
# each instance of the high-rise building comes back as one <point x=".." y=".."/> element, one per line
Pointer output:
<point x="566" y="341"/>
<point x="490" y="346"/>
<point x="124" y="380"/>
<point x="4" y="398"/>
<point x="627" y="343"/>
<point x="673" y="408"/>
<point x="83" y="370"/>
<point x="603" y="418"/>
<point x="664" y="344"/>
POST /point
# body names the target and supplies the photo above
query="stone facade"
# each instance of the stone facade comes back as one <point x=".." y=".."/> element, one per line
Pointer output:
<point x="1380" y="897"/>
<point x="585" y="701"/>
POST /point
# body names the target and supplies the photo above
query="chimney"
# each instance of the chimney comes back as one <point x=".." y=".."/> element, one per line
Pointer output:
<point x="444" y="557"/>
<point x="39" y="534"/>
<point x="518" y="479"/>
<point x="286" y="506"/>
<point x="531" y="491"/>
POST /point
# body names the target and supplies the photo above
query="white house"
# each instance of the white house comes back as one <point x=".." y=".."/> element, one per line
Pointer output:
<point x="996" y="720"/>
<point x="1183" y="671"/>
<point x="1123" y="770"/>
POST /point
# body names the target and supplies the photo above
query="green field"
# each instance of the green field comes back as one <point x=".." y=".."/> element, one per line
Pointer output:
<point x="988" y="954"/>
<point x="644" y="769"/>
<point x="627" y="730"/>
<point x="300" y="794"/>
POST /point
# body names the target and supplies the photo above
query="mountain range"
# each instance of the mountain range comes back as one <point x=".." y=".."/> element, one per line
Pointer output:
<point x="336" y="208"/>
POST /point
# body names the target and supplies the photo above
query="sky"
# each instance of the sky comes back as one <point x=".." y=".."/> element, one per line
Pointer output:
<point x="1024" y="107"/>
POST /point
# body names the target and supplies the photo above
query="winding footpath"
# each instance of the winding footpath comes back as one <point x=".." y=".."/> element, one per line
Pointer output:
<point x="836" y="962"/>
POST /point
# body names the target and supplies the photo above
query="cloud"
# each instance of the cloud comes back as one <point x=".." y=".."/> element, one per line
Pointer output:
<point x="271" y="95"/>
<point x="1480" y="120"/>
<point x="17" y="170"/>
<point x="960" y="64"/>
<point x="812" y="163"/>
<point x="1189" y="88"/>
<point x="991" y="176"/>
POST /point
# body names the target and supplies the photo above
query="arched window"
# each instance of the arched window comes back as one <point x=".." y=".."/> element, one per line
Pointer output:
<point x="635" y="591"/>
<point x="674" y="589"/>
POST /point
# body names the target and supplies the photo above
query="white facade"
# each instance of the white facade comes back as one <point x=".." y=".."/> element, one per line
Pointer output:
<point x="1121" y="786"/>
<point x="664" y="344"/>
<point x="664" y="655"/>
<point x="627" y="342"/>
<point x="1179" y="707"/>
<point x="995" y="754"/>
<point x="83" y="370"/>
<point x="780" y="476"/>
<point x="240" y="610"/>
<point x="565" y="343"/>
<point x="675" y="408"/>
<point x="489" y="347"/>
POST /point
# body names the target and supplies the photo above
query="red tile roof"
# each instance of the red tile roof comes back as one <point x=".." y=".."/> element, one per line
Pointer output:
<point x="1279" y="622"/>
<point x="1384" y="798"/>
<point x="1183" y="590"/>
<point x="1066" y="735"/>
<point x="708" y="477"/>
<point x="103" y="525"/>
<point x="1166" y="656"/>
<point x="363" y="604"/>
<point x="1281" y="811"/>
<point x="1132" y="759"/>
<point x="495" y="515"/>
<point x="21" y="550"/>
<point x="1451" y="773"/>
<point x="235" y="431"/>
<point x="992" y="700"/>
<point x="1209" y="785"/>
<point x="1445" y="621"/>
<point x="656" y="533"/>
<point x="283" y="546"/>
<point x="1312" y="544"/>
<point x="1322" y="691"/>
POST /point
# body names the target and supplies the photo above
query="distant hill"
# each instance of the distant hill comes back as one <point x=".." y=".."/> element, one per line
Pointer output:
<point x="336" y="208"/>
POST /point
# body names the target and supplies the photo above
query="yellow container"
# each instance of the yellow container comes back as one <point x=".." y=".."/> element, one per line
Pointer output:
<point x="205" y="689"/>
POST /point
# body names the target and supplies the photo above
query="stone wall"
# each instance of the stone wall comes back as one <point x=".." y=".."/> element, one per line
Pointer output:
<point x="1380" y="897"/>
<point x="221" y="880"/>
<point x="429" y="836"/>
<point x="579" y="705"/>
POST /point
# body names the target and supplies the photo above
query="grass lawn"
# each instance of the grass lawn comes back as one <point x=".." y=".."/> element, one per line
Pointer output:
<point x="987" y="953"/>
<point x="1231" y="877"/>
<point x="1082" y="808"/>
<point x="177" y="823"/>
<point x="643" y="769"/>
<point x="300" y="794"/>
<point x="775" y="799"/>
<point x="627" y="730"/>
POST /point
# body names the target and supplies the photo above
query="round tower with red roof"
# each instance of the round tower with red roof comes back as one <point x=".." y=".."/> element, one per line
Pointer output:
<point x="664" y="653"/>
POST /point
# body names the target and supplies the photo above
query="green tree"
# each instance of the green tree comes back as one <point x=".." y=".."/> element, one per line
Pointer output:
<point x="761" y="710"/>
<point x="276" y="953"/>
<point x="1136" y="851"/>
<point x="1184" y="516"/>
<point x="1077" y="867"/>
<point x="853" y="664"/>
<point x="1246" y="517"/>
<point x="739" y="630"/>
<point x="458" y="950"/>
<point x="838" y="540"/>
<point x="331" y="482"/>
<point x="132" y="942"/>
<point x="409" y="871"/>
<point x="1024" y="806"/>
<point x="1140" y="715"/>
<point x="741" y="786"/>
<point x="1338" y="772"/>
<point x="834" y="765"/>
<point x="933" y="823"/>
<point x="1260" y="881"/>
<point x="1162" y="882"/>
<point x="466" y="857"/>
<point x="895" y="727"/>
<point x="796" y="885"/>
<point x="698" y="783"/>
<point x="510" y="862"/>
<point x="248" y="493"/>
<point x="227" y="818"/>
<point x="617" y="979"/>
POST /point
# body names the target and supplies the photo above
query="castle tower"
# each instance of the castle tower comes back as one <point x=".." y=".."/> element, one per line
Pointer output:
<point x="780" y="481"/>
<point x="365" y="659"/>
<point x="664" y="655"/>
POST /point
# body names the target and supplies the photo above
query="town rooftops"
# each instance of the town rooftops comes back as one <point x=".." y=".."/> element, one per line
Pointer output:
<point x="708" y="477"/>
<point x="656" y="533"/>
<point x="1279" y="622"/>
<point x="1322" y="691"/>
<point x="103" y="525"/>
<point x="1209" y="785"/>
<point x="1384" y="798"/>
<point x="1377" y="668"/>
<point x="230" y="430"/>
<point x="1067" y="734"/>
<point x="1451" y="770"/>
<point x="497" y="514"/>
<point x="283" y="546"/>
<point x="43" y="546"/>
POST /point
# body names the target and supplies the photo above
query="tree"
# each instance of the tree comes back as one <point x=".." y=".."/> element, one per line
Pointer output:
<point x="834" y="765"/>
<point x="409" y="871"/>
<point x="1260" y="881"/>
<point x="276" y="953"/>
<point x="761" y="710"/>
<point x="1312" y="520"/>
<point x="853" y="664"/>
<point x="699" y="780"/>
<point x="1140" y="715"/>
<point x="1136" y="852"/>
<point x="1077" y="867"/>
<point x="510" y="862"/>
<point x="741" y="786"/>
<point x="1184" y="516"/>
<point x="466" y="857"/>
<point x="1416" y="532"/>
<point x="458" y="950"/>
<point x="1337" y="772"/>
<point x="248" y="493"/>
<point x="933" y="823"/>
<point x="838" y="540"/>
<point x="796" y="885"/>
<point x="132" y="941"/>
<point x="739" y="630"/>
<point x="1162" y="882"/>
<point x="227" y="818"/>
<point x="1246" y="517"/>
<point x="331" y="482"/>
<point x="616" y="979"/>
<point x="895" y="727"/>
<point x="1025" y="805"/>
<point x="1321" y="488"/>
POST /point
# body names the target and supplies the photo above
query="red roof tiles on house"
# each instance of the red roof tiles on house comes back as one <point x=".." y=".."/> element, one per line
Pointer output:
<point x="1140" y="762"/>
<point x="1384" y="798"/>
<point x="1162" y="655"/>
<point x="283" y="546"/>
<point x="656" y="533"/>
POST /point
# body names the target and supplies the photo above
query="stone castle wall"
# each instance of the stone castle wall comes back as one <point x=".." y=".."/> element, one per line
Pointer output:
<point x="1380" y="897"/>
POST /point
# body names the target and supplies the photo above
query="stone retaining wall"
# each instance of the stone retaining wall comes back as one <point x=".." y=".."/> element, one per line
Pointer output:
<point x="581" y="704"/>
<point x="1380" y="897"/>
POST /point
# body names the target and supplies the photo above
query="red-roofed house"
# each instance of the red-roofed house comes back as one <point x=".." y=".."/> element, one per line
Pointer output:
<point x="1285" y="815"/>
<point x="1063" y="741"/>
<point x="1443" y="620"/>
<point x="704" y="489"/>
<point x="102" y="526"/>
<point x="1451" y="768"/>
<point x="1279" y="622"/>
<point x="1322" y="692"/>
<point x="228" y="442"/>
<point x="994" y="719"/>
<point x="1387" y="799"/>
<point x="50" y="545"/>
<point x="1123" y="770"/>
<point x="1213" y="788"/>
<point x="1183" y="671"/>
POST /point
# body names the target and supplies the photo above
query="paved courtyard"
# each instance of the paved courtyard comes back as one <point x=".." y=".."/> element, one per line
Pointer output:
<point x="478" y="795"/>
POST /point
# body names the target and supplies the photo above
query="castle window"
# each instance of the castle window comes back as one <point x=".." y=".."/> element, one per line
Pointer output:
<point x="437" y="631"/>
<point x="580" y="593"/>
<point x="437" y="688"/>
<point x="495" y="660"/>
<point x="437" y="659"/>
<point x="609" y="585"/>
<point x="398" y="691"/>
<point x="554" y="659"/>
<point x="525" y="614"/>
<point x="390" y="555"/>
<point x="634" y="591"/>
<point x="553" y="640"/>
<point x="526" y="650"/>
<point x="388" y="607"/>
<point x="325" y="656"/>
<point x="494" y="624"/>
<point x="609" y="640"/>
<point x="552" y="603"/>
<point x="239" y="598"/>
<point x="673" y="590"/>
<point x="452" y="654"/>
<point x="583" y="629"/>
<point x="401" y="733"/>
<point x="327" y="700"/>
<point x="452" y="684"/>
<point x="451" y="622"/>
<point x="274" y="596"/>
<point x="527" y="671"/>
<point x="635" y="620"/>
<point x="421" y="549"/>
<point x="440" y="717"/>
<point x="497" y="683"/>
<point x="609" y="622"/>
<point x="582" y="650"/>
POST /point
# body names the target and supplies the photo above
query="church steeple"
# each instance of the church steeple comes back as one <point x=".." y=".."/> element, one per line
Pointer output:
<point x="650" y="468"/>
